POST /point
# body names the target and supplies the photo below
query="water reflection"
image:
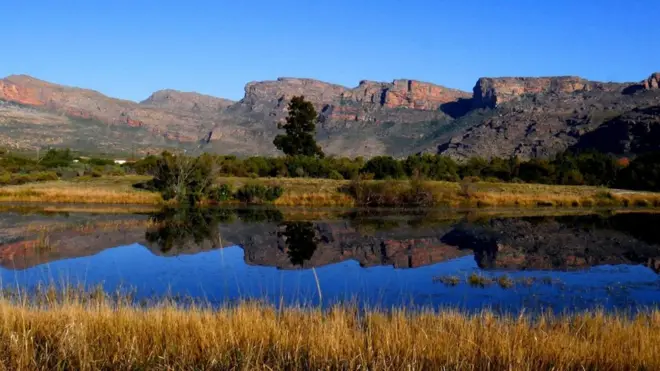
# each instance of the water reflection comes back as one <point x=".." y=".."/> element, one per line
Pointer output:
<point x="300" y="241"/>
<point x="380" y="255"/>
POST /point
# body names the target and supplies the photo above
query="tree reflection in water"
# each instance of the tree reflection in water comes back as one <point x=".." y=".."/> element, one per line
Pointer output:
<point x="181" y="228"/>
<point x="300" y="240"/>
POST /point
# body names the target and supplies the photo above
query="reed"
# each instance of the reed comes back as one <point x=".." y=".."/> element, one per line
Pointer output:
<point x="89" y="332"/>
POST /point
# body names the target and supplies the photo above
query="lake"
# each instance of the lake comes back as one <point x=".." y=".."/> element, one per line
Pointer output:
<point x="505" y="260"/>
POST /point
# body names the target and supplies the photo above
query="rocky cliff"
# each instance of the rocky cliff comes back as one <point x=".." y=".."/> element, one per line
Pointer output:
<point x="634" y="132"/>
<point x="540" y="117"/>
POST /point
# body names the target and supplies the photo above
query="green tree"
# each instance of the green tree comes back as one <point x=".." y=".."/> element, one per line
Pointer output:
<point x="300" y="129"/>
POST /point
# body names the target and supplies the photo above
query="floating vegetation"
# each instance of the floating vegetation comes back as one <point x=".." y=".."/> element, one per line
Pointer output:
<point x="448" y="280"/>
<point x="505" y="282"/>
<point x="475" y="279"/>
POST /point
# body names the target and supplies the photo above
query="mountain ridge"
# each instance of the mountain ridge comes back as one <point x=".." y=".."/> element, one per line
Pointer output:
<point x="397" y="118"/>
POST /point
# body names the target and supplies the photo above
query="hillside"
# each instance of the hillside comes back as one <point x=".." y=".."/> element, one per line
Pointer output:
<point x="528" y="117"/>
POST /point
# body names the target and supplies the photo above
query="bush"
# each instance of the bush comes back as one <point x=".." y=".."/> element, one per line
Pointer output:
<point x="258" y="193"/>
<point x="384" y="167"/>
<point x="186" y="179"/>
<point x="334" y="174"/>
<point x="17" y="179"/>
<point x="413" y="193"/>
<point x="221" y="193"/>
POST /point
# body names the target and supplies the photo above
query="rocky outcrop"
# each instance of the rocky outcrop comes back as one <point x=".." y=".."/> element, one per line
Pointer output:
<point x="634" y="132"/>
<point x="284" y="88"/>
<point x="186" y="101"/>
<point x="403" y="94"/>
<point x="397" y="94"/>
<point x="536" y="118"/>
<point x="490" y="92"/>
<point x="653" y="82"/>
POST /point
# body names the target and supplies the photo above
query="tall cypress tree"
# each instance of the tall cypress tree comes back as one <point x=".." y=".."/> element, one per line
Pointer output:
<point x="300" y="129"/>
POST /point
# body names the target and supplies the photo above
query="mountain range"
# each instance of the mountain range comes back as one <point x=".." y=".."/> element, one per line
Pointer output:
<point x="528" y="117"/>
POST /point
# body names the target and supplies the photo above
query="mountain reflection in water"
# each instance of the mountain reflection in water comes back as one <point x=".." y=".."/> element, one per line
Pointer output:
<point x="602" y="249"/>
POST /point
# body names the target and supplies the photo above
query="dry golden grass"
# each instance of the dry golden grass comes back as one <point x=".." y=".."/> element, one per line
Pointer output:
<point x="94" y="333"/>
<point x="109" y="190"/>
<point x="326" y="192"/>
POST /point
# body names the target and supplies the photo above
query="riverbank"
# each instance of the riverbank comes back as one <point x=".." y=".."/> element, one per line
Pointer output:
<point x="91" y="332"/>
<point x="326" y="193"/>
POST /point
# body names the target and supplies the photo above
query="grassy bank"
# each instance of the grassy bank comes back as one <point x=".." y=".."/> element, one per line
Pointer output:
<point x="92" y="333"/>
<point x="105" y="190"/>
<point x="326" y="192"/>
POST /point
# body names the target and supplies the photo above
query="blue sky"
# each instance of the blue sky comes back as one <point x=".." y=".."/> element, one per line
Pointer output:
<point x="130" y="48"/>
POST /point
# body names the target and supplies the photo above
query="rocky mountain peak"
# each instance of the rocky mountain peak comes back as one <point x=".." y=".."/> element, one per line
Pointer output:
<point x="189" y="101"/>
<point x="653" y="82"/>
<point x="284" y="88"/>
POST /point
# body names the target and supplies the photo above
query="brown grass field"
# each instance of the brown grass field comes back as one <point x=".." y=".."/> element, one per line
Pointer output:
<point x="91" y="332"/>
<point x="325" y="192"/>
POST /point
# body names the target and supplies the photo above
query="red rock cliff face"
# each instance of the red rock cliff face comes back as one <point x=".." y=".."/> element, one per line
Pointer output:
<point x="403" y="94"/>
<point x="171" y="114"/>
<point x="489" y="92"/>
<point x="19" y="94"/>
<point x="75" y="102"/>
<point x="398" y="94"/>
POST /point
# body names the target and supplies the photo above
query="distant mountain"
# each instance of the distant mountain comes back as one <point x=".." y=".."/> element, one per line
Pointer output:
<point x="528" y="117"/>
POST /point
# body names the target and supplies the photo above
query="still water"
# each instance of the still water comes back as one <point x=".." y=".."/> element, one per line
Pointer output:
<point x="472" y="259"/>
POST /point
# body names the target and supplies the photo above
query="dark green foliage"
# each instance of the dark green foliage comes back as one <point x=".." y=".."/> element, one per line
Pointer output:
<point x="300" y="130"/>
<point x="145" y="166"/>
<point x="57" y="158"/>
<point x="258" y="193"/>
<point x="643" y="173"/>
<point x="100" y="161"/>
<point x="221" y="193"/>
<point x="384" y="167"/>
<point x="16" y="179"/>
<point x="431" y="167"/>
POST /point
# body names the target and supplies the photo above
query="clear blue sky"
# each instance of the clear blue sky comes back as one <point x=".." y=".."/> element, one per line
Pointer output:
<point x="130" y="48"/>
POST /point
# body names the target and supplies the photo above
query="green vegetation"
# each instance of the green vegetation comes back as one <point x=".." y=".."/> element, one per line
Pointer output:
<point x="85" y="330"/>
<point x="300" y="130"/>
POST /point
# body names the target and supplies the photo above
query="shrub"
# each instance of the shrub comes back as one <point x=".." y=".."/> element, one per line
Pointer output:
<point x="258" y="193"/>
<point x="17" y="179"/>
<point x="383" y="167"/>
<point x="221" y="193"/>
<point x="390" y="193"/>
<point x="334" y="174"/>
<point x="186" y="179"/>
